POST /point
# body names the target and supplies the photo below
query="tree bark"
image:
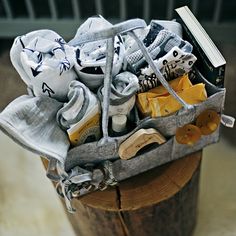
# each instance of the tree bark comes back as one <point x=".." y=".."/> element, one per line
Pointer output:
<point x="160" y="202"/>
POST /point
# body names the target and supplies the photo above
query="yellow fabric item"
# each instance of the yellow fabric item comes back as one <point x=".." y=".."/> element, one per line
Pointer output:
<point x="181" y="83"/>
<point x="158" y="102"/>
<point x="165" y="105"/>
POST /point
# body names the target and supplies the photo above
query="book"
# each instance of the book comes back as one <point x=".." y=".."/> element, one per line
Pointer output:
<point x="210" y="61"/>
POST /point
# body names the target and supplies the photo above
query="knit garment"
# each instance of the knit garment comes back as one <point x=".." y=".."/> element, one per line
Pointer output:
<point x="91" y="56"/>
<point x="123" y="89"/>
<point x="170" y="52"/>
<point x="158" y="42"/>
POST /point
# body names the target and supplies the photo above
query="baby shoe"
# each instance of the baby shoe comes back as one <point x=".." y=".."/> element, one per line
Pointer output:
<point x="44" y="62"/>
<point x="81" y="115"/>
<point x="91" y="56"/>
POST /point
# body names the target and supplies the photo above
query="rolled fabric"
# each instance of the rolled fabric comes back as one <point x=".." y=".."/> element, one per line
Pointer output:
<point x="172" y="65"/>
<point x="170" y="52"/>
<point x="81" y="115"/>
<point x="31" y="122"/>
<point x="45" y="63"/>
<point x="145" y="33"/>
<point x="123" y="89"/>
<point x="91" y="56"/>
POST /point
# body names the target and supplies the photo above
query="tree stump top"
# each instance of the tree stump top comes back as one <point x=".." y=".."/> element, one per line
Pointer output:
<point x="146" y="189"/>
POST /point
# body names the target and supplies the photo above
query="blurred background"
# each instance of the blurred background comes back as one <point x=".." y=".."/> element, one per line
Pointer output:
<point x="28" y="202"/>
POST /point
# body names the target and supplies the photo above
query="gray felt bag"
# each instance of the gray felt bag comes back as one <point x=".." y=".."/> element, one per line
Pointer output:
<point x="96" y="165"/>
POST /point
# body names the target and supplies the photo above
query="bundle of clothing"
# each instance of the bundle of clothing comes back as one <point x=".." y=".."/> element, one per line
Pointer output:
<point x="66" y="83"/>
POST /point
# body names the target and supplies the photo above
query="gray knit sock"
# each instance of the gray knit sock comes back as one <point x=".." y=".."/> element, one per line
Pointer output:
<point x="123" y="89"/>
<point x="81" y="101"/>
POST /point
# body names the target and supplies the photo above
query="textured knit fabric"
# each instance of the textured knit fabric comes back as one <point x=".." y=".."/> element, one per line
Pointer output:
<point x="171" y="53"/>
<point x="158" y="41"/>
<point x="171" y="25"/>
<point x="91" y="56"/>
<point x="123" y="89"/>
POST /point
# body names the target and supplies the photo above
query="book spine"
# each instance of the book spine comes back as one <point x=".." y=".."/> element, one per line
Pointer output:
<point x="214" y="75"/>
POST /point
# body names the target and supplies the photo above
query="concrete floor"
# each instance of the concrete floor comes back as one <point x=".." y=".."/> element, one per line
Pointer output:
<point x="29" y="205"/>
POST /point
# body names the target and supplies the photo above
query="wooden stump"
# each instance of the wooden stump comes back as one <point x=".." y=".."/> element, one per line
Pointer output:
<point x="160" y="202"/>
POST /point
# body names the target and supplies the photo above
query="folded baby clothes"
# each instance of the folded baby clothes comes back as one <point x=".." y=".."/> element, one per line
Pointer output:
<point x="158" y="102"/>
<point x="31" y="122"/>
<point x="173" y="64"/>
<point x="172" y="26"/>
<point x="91" y="56"/>
<point x="123" y="89"/>
<point x="158" y="42"/>
<point x="81" y="115"/>
<point x="45" y="63"/>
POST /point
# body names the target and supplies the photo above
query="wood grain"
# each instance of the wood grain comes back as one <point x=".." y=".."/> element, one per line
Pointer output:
<point x="161" y="202"/>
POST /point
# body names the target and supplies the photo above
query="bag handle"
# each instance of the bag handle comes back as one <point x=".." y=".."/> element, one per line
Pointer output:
<point x="109" y="34"/>
<point x="161" y="78"/>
